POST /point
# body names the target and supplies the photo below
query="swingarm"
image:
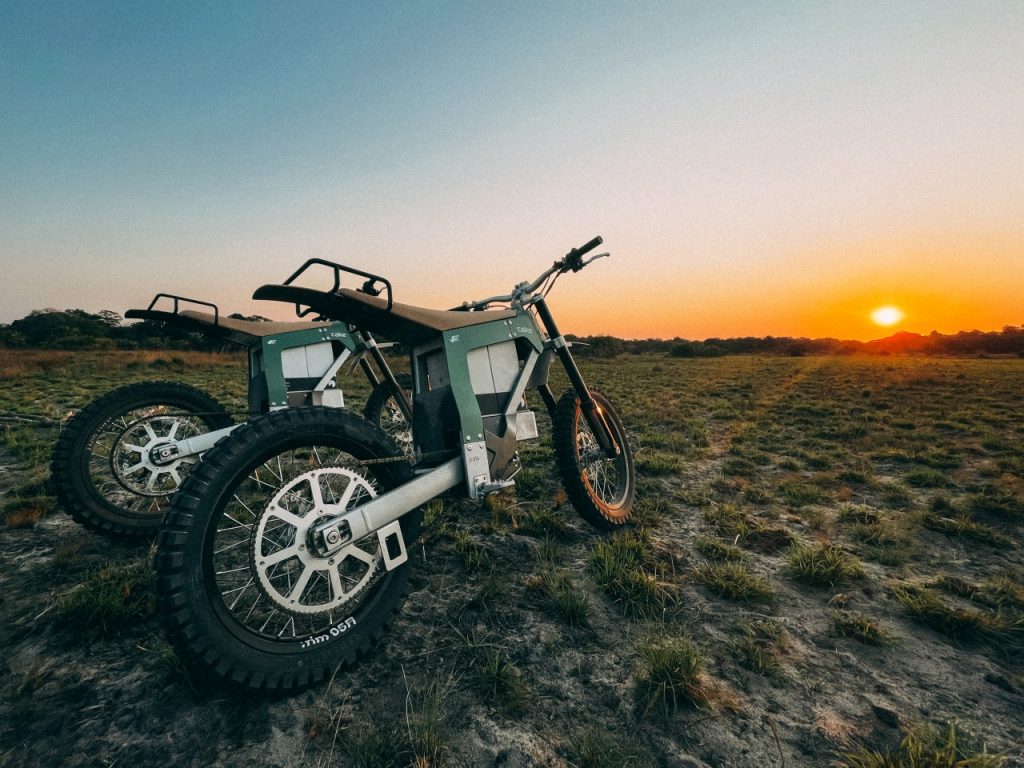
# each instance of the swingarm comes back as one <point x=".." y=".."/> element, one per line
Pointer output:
<point x="381" y="515"/>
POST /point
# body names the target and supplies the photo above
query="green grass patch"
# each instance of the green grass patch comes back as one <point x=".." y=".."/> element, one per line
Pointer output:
<point x="717" y="550"/>
<point x="596" y="747"/>
<point x="27" y="512"/>
<point x="111" y="600"/>
<point x="624" y="566"/>
<point x="965" y="526"/>
<point x="798" y="493"/>
<point x="998" y="502"/>
<point x="543" y="522"/>
<point x="761" y="646"/>
<point x="927" y="478"/>
<point x="656" y="464"/>
<point x="862" y="628"/>
<point x="884" y="542"/>
<point x="859" y="514"/>
<point x="822" y="564"/>
<point x="501" y="684"/>
<point x="559" y="596"/>
<point x="962" y="625"/>
<point x="923" y="747"/>
<point x="733" y="580"/>
<point x="670" y="676"/>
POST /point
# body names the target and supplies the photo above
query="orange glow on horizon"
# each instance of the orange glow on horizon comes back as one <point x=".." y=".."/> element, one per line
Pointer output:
<point x="938" y="281"/>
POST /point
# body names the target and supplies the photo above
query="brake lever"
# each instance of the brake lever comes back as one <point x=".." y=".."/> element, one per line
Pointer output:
<point x="593" y="258"/>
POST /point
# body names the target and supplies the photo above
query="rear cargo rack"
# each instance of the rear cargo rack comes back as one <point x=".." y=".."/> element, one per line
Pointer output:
<point x="368" y="287"/>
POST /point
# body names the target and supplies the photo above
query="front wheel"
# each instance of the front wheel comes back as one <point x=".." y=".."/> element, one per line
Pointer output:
<point x="601" y="489"/>
<point x="240" y="592"/>
<point x="103" y="469"/>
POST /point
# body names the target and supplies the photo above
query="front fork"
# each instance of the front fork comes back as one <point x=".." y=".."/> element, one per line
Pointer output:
<point x="591" y="412"/>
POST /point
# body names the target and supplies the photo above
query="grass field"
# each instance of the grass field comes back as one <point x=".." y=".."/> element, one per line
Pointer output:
<point x="827" y="559"/>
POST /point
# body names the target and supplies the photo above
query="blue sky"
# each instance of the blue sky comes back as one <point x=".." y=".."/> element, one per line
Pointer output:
<point x="754" y="168"/>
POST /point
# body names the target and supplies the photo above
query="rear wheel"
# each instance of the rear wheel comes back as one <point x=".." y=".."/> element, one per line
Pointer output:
<point x="240" y="591"/>
<point x="103" y="469"/>
<point x="601" y="489"/>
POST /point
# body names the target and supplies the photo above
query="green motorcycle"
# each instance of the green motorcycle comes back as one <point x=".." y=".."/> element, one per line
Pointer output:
<point x="119" y="460"/>
<point x="286" y="552"/>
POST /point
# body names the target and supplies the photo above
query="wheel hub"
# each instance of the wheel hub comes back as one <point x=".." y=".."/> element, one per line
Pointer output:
<point x="292" y="570"/>
<point x="143" y="458"/>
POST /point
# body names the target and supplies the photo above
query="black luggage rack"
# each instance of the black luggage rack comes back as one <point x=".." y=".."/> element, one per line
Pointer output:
<point x="174" y="315"/>
<point x="368" y="287"/>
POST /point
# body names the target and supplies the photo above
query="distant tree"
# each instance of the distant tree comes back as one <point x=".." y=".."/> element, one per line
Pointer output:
<point x="111" y="318"/>
<point x="254" y="318"/>
<point x="53" y="329"/>
<point x="596" y="346"/>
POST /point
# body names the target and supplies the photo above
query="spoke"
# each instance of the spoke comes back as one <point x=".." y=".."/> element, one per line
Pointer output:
<point x="232" y="570"/>
<point x="291" y="621"/>
<point x="243" y="505"/>
<point x="238" y="524"/>
<point x="252" y="607"/>
<point x="151" y="483"/>
<point x="240" y="590"/>
<point x="238" y="543"/>
<point x="255" y="476"/>
<point x="149" y="431"/>
<point x="273" y="611"/>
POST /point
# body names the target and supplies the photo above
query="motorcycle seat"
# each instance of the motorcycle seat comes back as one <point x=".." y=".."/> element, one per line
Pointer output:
<point x="248" y="333"/>
<point x="402" y="322"/>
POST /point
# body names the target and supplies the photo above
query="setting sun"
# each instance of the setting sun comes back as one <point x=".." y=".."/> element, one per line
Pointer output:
<point x="887" y="316"/>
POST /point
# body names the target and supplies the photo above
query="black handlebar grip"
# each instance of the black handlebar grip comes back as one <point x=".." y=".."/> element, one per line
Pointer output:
<point x="577" y="252"/>
<point x="574" y="258"/>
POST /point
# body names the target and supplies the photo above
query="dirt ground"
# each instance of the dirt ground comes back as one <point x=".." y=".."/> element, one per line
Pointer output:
<point x="77" y="692"/>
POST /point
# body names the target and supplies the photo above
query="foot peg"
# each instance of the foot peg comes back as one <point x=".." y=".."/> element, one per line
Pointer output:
<point x="486" y="488"/>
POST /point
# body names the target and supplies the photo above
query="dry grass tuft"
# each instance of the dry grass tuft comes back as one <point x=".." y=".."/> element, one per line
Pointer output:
<point x="822" y="564"/>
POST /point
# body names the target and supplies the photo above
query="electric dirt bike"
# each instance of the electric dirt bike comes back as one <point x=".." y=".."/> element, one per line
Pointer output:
<point x="120" y="459"/>
<point x="285" y="553"/>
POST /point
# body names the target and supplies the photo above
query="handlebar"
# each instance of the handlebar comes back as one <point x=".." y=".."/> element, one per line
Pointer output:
<point x="573" y="261"/>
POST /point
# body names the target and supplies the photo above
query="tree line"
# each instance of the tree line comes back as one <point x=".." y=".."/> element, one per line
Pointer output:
<point x="78" y="329"/>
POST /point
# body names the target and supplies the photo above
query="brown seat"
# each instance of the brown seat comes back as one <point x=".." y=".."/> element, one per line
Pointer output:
<point x="403" y="322"/>
<point x="244" y="332"/>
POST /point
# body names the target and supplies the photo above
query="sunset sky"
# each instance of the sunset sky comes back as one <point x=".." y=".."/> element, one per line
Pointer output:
<point x="780" y="168"/>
